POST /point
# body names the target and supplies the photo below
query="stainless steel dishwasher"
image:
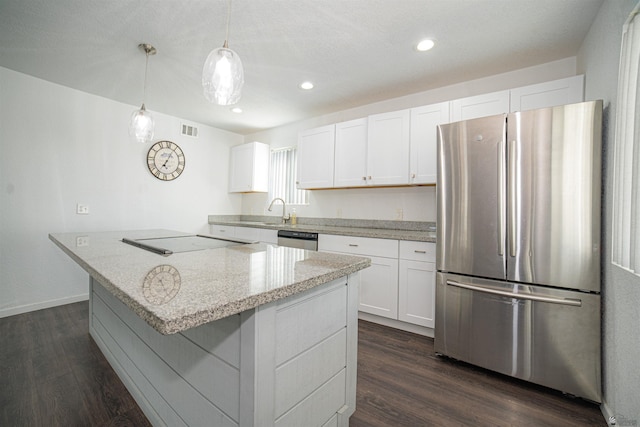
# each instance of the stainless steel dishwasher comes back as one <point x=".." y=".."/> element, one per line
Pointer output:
<point x="298" y="239"/>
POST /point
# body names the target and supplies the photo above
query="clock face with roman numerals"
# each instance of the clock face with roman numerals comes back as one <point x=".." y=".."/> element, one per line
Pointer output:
<point x="165" y="160"/>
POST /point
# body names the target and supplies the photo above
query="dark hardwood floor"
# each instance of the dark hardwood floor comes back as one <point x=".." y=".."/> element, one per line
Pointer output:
<point x="401" y="382"/>
<point x="53" y="374"/>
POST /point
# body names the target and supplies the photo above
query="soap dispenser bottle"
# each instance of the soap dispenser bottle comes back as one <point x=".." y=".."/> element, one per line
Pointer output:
<point x="294" y="217"/>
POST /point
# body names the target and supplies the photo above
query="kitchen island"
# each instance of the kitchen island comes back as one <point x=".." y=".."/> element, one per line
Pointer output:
<point x="248" y="335"/>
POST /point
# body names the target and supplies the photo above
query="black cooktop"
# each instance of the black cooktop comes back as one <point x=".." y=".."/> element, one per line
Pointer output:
<point x="170" y="245"/>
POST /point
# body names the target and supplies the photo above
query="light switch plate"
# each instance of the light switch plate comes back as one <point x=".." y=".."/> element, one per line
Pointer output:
<point x="82" y="209"/>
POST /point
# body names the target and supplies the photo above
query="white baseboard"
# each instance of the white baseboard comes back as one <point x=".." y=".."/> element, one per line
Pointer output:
<point x="606" y="412"/>
<point x="12" y="311"/>
<point x="408" y="327"/>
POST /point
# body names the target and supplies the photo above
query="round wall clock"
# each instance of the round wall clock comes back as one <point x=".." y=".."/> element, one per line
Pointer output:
<point x="165" y="160"/>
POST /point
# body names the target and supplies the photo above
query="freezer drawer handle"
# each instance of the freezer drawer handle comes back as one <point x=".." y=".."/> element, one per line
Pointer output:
<point x="564" y="301"/>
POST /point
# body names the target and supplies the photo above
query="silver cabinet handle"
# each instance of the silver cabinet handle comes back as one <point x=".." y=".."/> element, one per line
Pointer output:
<point x="353" y="245"/>
<point x="420" y="252"/>
<point x="563" y="301"/>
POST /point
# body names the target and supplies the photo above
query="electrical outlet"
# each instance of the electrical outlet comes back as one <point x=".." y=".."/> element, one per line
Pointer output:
<point x="82" y="241"/>
<point x="82" y="209"/>
<point x="399" y="214"/>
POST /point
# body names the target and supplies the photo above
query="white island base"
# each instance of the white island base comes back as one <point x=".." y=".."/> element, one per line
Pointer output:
<point x="291" y="362"/>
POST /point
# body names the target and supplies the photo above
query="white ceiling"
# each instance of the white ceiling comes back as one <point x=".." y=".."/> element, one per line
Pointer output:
<point x="355" y="51"/>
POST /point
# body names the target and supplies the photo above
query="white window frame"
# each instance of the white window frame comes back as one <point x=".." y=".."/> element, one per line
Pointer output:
<point x="625" y="247"/>
<point x="283" y="176"/>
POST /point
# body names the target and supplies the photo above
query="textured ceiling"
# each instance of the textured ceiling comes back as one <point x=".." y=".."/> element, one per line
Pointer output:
<point x="355" y="51"/>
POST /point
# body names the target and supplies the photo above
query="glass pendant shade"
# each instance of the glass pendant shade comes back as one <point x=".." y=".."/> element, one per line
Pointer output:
<point x="223" y="77"/>
<point x="141" y="125"/>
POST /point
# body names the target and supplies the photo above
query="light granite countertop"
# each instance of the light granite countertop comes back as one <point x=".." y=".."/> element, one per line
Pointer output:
<point x="201" y="286"/>
<point x="416" y="231"/>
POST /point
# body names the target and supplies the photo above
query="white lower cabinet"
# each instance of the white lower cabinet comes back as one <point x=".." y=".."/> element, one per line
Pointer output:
<point x="400" y="284"/>
<point x="379" y="288"/>
<point x="246" y="233"/>
<point x="224" y="231"/>
<point x="378" y="283"/>
<point x="417" y="283"/>
<point x="268" y="235"/>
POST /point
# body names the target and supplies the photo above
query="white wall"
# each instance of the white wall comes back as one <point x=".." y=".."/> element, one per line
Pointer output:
<point x="60" y="147"/>
<point x="598" y="59"/>
<point x="415" y="203"/>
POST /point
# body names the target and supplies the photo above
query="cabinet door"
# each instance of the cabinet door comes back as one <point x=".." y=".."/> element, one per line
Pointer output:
<point x="268" y="235"/>
<point x="548" y="94"/>
<point x="480" y="106"/>
<point x="315" y="157"/>
<point x="379" y="288"/>
<point x="248" y="233"/>
<point x="224" y="231"/>
<point x="423" y="141"/>
<point x="249" y="168"/>
<point x="416" y="292"/>
<point x="351" y="154"/>
<point x="241" y="168"/>
<point x="388" y="148"/>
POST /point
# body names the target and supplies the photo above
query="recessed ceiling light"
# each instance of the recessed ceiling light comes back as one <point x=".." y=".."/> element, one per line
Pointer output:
<point x="306" y="85"/>
<point x="425" y="45"/>
<point x="237" y="110"/>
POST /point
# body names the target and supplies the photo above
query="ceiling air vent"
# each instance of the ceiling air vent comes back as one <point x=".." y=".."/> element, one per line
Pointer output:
<point x="189" y="130"/>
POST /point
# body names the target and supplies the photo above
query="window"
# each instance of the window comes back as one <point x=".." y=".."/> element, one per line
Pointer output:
<point x="282" y="177"/>
<point x="626" y="169"/>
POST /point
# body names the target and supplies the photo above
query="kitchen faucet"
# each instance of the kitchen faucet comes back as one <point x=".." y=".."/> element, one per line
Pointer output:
<point x="284" y="218"/>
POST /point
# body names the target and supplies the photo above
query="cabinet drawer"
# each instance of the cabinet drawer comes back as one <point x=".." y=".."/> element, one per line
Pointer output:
<point x="222" y="230"/>
<point x="248" y="233"/>
<point x="418" y="251"/>
<point x="358" y="245"/>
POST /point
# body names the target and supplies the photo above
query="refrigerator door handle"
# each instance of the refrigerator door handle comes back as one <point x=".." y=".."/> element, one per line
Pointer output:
<point x="563" y="301"/>
<point x="511" y="182"/>
<point x="501" y="197"/>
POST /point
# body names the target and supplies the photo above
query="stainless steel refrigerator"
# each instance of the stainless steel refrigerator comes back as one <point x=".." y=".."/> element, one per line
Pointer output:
<point x="518" y="245"/>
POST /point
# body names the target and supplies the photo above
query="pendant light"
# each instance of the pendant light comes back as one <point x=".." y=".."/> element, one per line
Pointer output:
<point x="222" y="74"/>
<point x="142" y="124"/>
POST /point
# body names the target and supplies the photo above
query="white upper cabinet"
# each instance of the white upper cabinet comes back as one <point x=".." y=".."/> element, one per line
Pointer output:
<point x="351" y="154"/>
<point x="315" y="157"/>
<point x="388" y="148"/>
<point x="484" y="105"/>
<point x="424" y="137"/>
<point x="249" y="168"/>
<point x="548" y="94"/>
<point x="399" y="148"/>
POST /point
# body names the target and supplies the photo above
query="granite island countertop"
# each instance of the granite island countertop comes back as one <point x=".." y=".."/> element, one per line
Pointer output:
<point x="415" y="231"/>
<point x="184" y="290"/>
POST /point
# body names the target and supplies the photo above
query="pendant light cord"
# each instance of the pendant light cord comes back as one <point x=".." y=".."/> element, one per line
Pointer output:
<point x="146" y="66"/>
<point x="226" y="38"/>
